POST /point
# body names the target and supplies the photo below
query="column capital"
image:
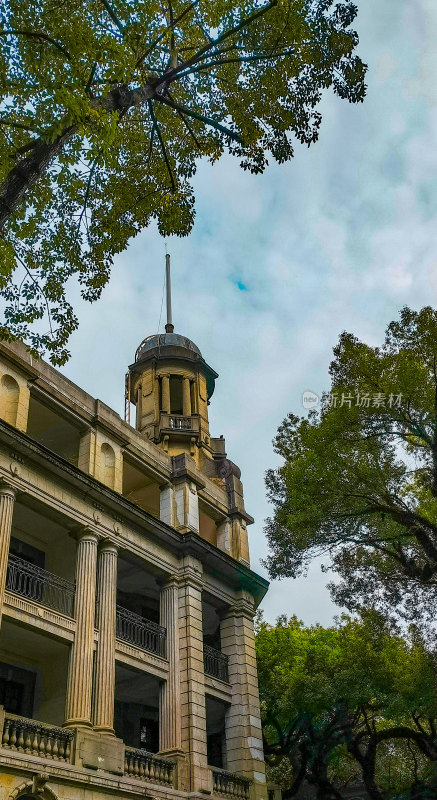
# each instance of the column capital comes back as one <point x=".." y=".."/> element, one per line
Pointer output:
<point x="108" y="546"/>
<point x="85" y="532"/>
<point x="170" y="581"/>
<point x="7" y="489"/>
<point x="192" y="572"/>
<point x="243" y="606"/>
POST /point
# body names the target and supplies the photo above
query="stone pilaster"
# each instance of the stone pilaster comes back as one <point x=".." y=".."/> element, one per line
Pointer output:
<point x="186" y="397"/>
<point x="7" y="499"/>
<point x="80" y="675"/>
<point x="170" y="696"/>
<point x="166" y="504"/>
<point x="224" y="536"/>
<point x="104" y="686"/>
<point x="179" y="506"/>
<point x="165" y="393"/>
<point x="244" y="749"/>
<point x="193" y="712"/>
<point x="186" y="503"/>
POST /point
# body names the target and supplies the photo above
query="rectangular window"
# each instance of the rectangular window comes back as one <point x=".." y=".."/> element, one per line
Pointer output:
<point x="176" y="406"/>
<point x="17" y="689"/>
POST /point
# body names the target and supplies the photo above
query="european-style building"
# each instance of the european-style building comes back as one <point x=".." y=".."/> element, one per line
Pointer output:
<point x="127" y="660"/>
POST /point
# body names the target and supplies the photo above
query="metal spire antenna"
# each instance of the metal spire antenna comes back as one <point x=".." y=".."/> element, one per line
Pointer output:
<point x="169" y="328"/>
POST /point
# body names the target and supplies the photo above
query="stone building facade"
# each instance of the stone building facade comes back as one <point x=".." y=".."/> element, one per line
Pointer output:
<point x="127" y="660"/>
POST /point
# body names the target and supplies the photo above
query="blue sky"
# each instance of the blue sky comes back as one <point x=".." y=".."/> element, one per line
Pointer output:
<point x="278" y="265"/>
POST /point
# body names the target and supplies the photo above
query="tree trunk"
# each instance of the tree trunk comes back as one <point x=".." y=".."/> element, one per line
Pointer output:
<point x="25" y="174"/>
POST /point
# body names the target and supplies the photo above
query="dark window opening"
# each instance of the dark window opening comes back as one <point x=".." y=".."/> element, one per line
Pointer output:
<point x="137" y="725"/>
<point x="149" y="735"/>
<point x="27" y="552"/>
<point x="215" y="750"/>
<point x="216" y="732"/>
<point x="17" y="690"/>
<point x="176" y="405"/>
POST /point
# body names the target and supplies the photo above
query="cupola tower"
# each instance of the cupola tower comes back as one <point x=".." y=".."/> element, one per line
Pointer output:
<point x="171" y="384"/>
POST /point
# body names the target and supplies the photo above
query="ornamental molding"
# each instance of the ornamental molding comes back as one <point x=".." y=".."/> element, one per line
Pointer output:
<point x="37" y="787"/>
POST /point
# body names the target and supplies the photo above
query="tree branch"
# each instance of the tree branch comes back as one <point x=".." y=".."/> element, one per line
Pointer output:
<point x="222" y="38"/>
<point x="40" y="36"/>
<point x="199" y="117"/>
<point x="163" y="147"/>
<point x="113" y="16"/>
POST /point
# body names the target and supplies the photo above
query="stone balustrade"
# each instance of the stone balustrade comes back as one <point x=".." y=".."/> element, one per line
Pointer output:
<point x="147" y="767"/>
<point x="230" y="784"/>
<point x="37" y="738"/>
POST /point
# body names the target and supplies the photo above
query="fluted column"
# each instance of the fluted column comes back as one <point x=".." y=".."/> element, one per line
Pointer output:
<point x="104" y="688"/>
<point x="80" y="675"/>
<point x="166" y="394"/>
<point x="186" y="398"/>
<point x="170" y="695"/>
<point x="7" y="499"/>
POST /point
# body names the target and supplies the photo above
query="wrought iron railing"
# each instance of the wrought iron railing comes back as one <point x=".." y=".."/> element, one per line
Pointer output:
<point x="215" y="663"/>
<point x="147" y="767"/>
<point x="140" y="631"/>
<point x="37" y="584"/>
<point x="36" y="738"/>
<point x="230" y="784"/>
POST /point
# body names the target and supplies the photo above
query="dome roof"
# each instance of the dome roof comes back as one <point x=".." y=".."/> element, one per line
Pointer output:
<point x="162" y="340"/>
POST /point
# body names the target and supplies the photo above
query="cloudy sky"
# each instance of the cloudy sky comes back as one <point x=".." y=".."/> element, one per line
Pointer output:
<point x="278" y="265"/>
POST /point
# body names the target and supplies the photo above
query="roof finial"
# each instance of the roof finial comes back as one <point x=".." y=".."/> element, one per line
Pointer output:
<point x="169" y="328"/>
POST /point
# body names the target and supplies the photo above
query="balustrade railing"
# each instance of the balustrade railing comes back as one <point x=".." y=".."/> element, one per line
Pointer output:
<point x="36" y="738"/>
<point x="147" y="767"/>
<point x="141" y="632"/>
<point x="230" y="784"/>
<point x="37" y="584"/>
<point x="179" y="422"/>
<point x="215" y="663"/>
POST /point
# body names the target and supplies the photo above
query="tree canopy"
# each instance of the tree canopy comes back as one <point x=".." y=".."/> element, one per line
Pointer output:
<point x="106" y="105"/>
<point x="358" y="481"/>
<point x="351" y="703"/>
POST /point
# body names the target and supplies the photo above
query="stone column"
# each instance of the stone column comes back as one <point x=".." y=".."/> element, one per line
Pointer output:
<point x="193" y="712"/>
<point x="104" y="686"/>
<point x="165" y="393"/>
<point x="170" y="695"/>
<point x="80" y="675"/>
<point x="186" y="398"/>
<point x="244" y="748"/>
<point x="7" y="499"/>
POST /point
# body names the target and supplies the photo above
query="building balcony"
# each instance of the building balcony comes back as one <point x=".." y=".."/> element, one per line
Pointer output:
<point x="31" y="737"/>
<point x="179" y="423"/>
<point x="230" y="784"/>
<point x="39" y="585"/>
<point x="146" y="766"/>
<point x="37" y="738"/>
<point x="215" y="663"/>
<point x="141" y="632"/>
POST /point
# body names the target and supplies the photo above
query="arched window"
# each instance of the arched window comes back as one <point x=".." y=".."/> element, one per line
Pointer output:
<point x="107" y="465"/>
<point x="9" y="394"/>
